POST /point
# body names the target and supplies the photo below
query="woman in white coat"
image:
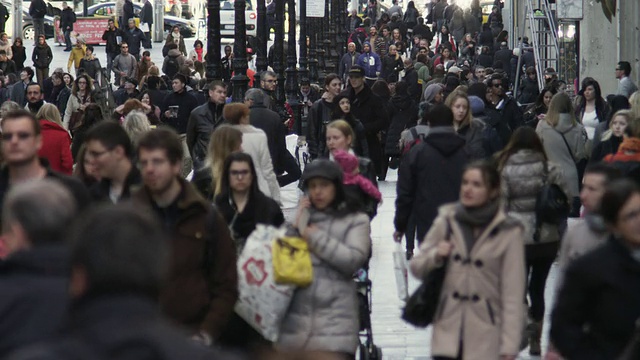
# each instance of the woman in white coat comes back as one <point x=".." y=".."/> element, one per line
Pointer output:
<point x="254" y="143"/>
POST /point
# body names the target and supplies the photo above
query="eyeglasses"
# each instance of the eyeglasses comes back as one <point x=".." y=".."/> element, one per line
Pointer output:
<point x="21" y="135"/>
<point x="239" y="173"/>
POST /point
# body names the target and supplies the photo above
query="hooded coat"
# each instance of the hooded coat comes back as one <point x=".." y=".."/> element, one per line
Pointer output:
<point x="523" y="176"/>
<point x="404" y="115"/>
<point x="370" y="62"/>
<point x="480" y="303"/>
<point x="557" y="150"/>
<point x="420" y="189"/>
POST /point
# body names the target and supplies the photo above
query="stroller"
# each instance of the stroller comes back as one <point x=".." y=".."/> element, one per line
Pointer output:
<point x="367" y="350"/>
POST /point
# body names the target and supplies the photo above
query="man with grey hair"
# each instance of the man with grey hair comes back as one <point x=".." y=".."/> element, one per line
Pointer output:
<point x="284" y="164"/>
<point x="203" y="120"/>
<point x="34" y="276"/>
<point x="268" y="83"/>
<point x="348" y="60"/>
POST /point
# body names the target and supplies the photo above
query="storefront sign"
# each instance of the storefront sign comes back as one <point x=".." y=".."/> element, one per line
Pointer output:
<point x="90" y="29"/>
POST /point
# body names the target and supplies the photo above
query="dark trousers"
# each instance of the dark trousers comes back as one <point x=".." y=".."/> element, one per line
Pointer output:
<point x="539" y="258"/>
<point x="38" y="27"/>
<point x="410" y="234"/>
<point x="67" y="39"/>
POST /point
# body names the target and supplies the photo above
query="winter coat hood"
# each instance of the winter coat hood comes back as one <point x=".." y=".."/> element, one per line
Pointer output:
<point x="431" y="91"/>
<point x="402" y="102"/>
<point x="174" y="53"/>
<point x="445" y="140"/>
<point x="50" y="125"/>
<point x="565" y="122"/>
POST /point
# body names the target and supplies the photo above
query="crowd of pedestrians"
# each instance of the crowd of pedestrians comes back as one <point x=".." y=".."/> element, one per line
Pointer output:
<point x="188" y="176"/>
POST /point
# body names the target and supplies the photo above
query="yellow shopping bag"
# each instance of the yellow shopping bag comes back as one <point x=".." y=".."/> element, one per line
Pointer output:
<point x="292" y="261"/>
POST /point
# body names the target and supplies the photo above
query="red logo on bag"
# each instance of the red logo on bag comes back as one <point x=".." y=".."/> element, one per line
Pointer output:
<point x="254" y="271"/>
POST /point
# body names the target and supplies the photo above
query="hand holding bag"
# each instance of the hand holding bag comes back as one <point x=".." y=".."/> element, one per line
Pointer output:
<point x="292" y="261"/>
<point x="400" y="270"/>
<point x="422" y="304"/>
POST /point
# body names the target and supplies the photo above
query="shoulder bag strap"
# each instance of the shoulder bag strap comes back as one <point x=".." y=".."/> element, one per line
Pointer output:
<point x="567" y="144"/>
<point x="414" y="133"/>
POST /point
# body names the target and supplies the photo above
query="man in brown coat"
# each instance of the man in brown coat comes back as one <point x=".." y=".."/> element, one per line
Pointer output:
<point x="202" y="286"/>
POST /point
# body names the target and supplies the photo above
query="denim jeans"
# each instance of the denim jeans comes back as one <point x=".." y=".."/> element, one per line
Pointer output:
<point x="67" y="39"/>
<point x="38" y="27"/>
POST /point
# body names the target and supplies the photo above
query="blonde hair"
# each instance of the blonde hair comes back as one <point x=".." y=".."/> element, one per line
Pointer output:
<point x="344" y="128"/>
<point x="634" y="101"/>
<point x="224" y="140"/>
<point x="153" y="71"/>
<point x="451" y="99"/>
<point x="628" y="115"/>
<point x="136" y="124"/>
<point x="560" y="104"/>
<point x="49" y="112"/>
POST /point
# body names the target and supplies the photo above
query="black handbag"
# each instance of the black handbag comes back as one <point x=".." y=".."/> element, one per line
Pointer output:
<point x="552" y="204"/>
<point x="422" y="304"/>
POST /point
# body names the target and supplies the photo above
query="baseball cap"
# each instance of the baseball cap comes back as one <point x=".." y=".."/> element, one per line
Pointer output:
<point x="357" y="71"/>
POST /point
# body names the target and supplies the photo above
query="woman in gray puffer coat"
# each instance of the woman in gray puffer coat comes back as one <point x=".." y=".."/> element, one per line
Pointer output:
<point x="524" y="168"/>
<point x="323" y="317"/>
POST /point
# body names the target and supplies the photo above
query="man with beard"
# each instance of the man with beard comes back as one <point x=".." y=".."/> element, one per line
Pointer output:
<point x="370" y="110"/>
<point x="21" y="141"/>
<point x="34" y="98"/>
<point x="201" y="289"/>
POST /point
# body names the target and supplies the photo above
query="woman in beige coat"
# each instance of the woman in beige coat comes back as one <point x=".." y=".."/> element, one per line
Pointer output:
<point x="480" y="315"/>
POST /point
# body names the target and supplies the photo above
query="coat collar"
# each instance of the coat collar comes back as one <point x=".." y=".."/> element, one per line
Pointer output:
<point x="188" y="199"/>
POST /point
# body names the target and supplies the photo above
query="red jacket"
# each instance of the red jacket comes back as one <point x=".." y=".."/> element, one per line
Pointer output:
<point x="56" y="147"/>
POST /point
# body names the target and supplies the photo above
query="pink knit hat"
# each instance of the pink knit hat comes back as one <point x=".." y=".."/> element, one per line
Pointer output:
<point x="349" y="164"/>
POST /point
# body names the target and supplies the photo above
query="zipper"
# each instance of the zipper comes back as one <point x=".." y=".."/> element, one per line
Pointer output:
<point x="490" y="309"/>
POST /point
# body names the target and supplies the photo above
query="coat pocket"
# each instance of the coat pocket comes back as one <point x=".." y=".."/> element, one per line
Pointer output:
<point x="490" y="311"/>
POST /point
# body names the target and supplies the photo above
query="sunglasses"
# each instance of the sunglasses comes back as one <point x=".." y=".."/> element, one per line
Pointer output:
<point x="21" y="136"/>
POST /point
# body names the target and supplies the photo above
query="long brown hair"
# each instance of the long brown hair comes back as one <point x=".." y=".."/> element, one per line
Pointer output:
<point x="224" y="140"/>
<point x="560" y="104"/>
<point x="524" y="138"/>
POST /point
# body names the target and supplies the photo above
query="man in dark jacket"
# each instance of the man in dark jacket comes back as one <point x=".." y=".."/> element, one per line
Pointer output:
<point x="422" y="189"/>
<point x="135" y="38"/>
<point x="370" y="110"/>
<point x="349" y="59"/>
<point x="116" y="275"/>
<point x="411" y="78"/>
<point x="203" y="121"/>
<point x="422" y="30"/>
<point x="34" y="277"/>
<point x="504" y="55"/>
<point x="391" y="65"/>
<point x="37" y="10"/>
<point x="176" y="109"/>
<point x="284" y="164"/>
<point x="21" y="157"/>
<point x="67" y="19"/>
<point x="146" y="17"/>
<point x="19" y="89"/>
<point x="112" y="47"/>
<point x="119" y="176"/>
<point x="507" y="107"/>
<point x="202" y="287"/>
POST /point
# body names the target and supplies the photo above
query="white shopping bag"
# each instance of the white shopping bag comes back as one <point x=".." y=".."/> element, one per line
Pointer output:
<point x="400" y="270"/>
<point x="261" y="303"/>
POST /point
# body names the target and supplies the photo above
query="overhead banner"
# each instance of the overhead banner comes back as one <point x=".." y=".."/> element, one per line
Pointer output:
<point x="315" y="8"/>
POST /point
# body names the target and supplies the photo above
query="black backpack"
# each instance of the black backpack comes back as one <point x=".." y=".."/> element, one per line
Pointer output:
<point x="172" y="67"/>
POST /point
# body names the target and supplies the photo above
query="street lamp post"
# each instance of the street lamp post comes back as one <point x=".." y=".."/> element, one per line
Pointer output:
<point x="214" y="66"/>
<point x="292" y="72"/>
<point x="239" y="80"/>
<point x="263" y="36"/>
<point x="278" y="53"/>
<point x="322" y="66"/>
<point x="330" y="33"/>
<point x="313" y="60"/>
<point x="303" y="71"/>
